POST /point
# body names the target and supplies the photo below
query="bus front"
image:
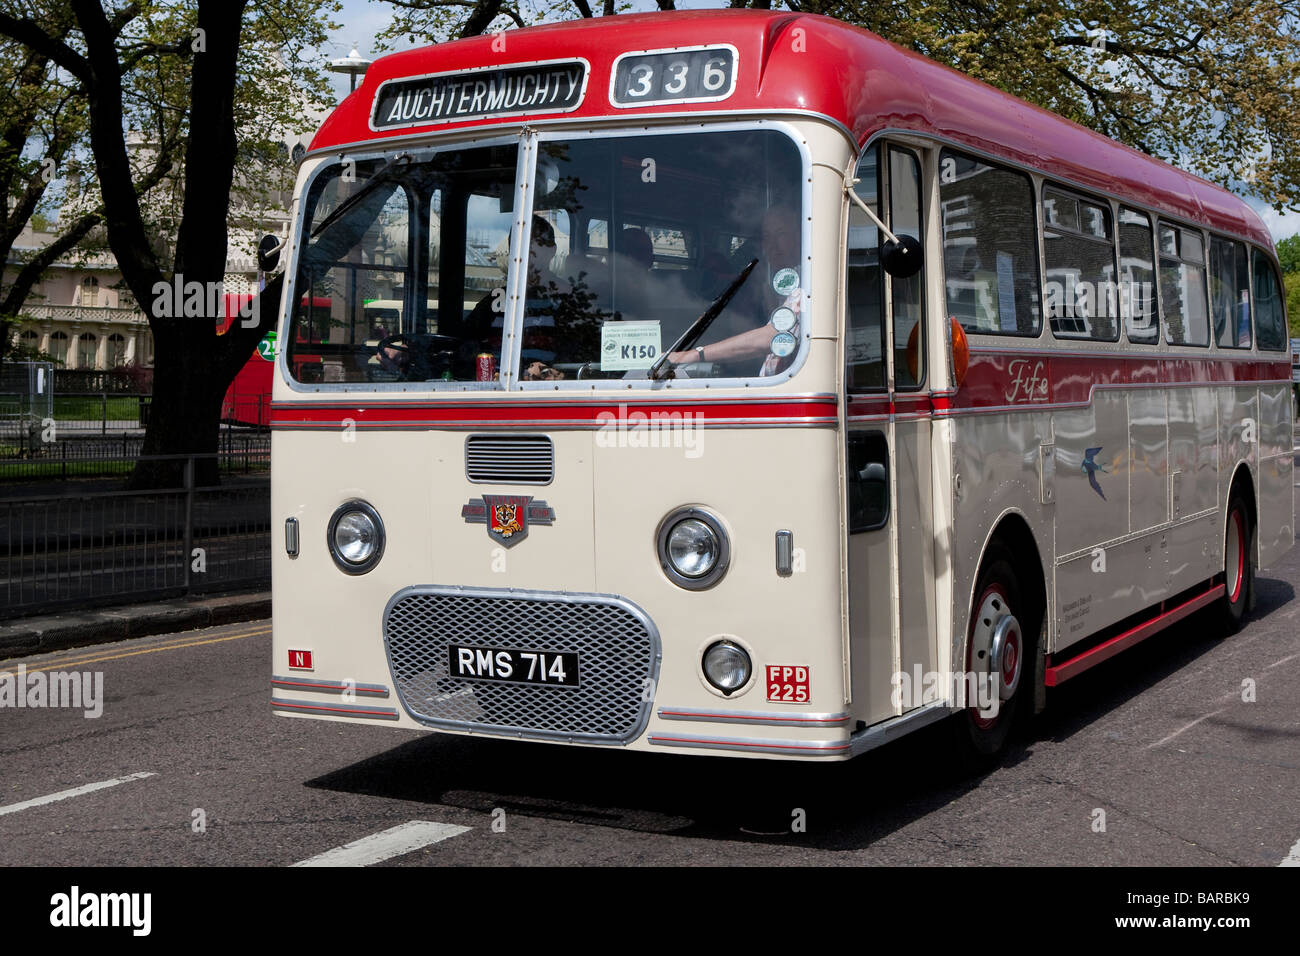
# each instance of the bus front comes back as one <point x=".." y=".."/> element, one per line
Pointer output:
<point x="567" y="464"/>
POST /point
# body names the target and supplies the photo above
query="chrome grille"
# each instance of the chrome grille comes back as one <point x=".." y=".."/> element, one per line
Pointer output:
<point x="617" y="646"/>
<point x="510" y="459"/>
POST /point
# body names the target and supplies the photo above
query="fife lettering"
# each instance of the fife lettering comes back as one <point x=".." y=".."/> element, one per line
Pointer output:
<point x="1028" y="382"/>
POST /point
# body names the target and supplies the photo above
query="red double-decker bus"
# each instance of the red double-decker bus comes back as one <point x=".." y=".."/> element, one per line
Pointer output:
<point x="248" y="399"/>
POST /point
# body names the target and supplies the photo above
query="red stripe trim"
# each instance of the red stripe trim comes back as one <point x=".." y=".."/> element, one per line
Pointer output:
<point x="1002" y="378"/>
<point x="751" y="718"/>
<point x="312" y="685"/>
<point x="725" y="744"/>
<point x="436" y="414"/>
<point x="324" y="708"/>
<point x="1057" y="673"/>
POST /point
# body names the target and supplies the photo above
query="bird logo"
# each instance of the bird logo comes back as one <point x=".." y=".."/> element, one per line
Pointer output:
<point x="1091" y="467"/>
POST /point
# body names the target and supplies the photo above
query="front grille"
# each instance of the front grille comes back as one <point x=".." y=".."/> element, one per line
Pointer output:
<point x="510" y="459"/>
<point x="617" y="646"/>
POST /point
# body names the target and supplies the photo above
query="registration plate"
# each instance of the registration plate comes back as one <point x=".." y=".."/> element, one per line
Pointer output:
<point x="552" y="668"/>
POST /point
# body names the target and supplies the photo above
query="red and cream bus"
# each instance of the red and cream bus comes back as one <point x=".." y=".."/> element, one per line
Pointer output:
<point x="759" y="388"/>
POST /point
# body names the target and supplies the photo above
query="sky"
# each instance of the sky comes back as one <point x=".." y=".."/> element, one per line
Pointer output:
<point x="362" y="19"/>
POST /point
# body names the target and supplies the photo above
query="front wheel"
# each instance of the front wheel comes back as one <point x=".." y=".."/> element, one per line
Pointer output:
<point x="1238" y="567"/>
<point x="996" y="655"/>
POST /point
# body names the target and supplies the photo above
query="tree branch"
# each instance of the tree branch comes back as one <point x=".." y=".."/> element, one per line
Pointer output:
<point x="29" y="33"/>
<point x="33" y="268"/>
<point x="126" y="233"/>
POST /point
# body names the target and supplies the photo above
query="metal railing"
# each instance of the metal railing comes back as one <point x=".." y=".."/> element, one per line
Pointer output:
<point x="89" y="548"/>
<point x="31" y="459"/>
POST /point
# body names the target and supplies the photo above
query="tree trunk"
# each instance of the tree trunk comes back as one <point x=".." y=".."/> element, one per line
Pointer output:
<point x="193" y="367"/>
<point x="185" y="412"/>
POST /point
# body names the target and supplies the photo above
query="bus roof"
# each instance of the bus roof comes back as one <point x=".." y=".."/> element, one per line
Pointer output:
<point x="832" y="69"/>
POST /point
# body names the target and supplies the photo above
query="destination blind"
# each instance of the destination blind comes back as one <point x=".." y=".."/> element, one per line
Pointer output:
<point x="549" y="87"/>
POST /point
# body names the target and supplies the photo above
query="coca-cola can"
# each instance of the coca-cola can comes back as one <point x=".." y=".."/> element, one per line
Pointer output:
<point x="486" y="370"/>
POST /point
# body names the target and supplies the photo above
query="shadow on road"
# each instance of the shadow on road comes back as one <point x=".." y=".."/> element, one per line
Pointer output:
<point x="846" y="806"/>
<point x="1093" y="695"/>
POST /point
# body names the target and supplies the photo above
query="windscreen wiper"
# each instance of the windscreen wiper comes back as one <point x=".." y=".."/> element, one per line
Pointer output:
<point x="374" y="182"/>
<point x="701" y="325"/>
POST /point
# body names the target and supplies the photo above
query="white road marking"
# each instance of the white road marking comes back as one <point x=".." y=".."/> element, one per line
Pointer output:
<point x="1165" y="740"/>
<point x="387" y="844"/>
<point x="75" y="792"/>
<point x="1292" y="858"/>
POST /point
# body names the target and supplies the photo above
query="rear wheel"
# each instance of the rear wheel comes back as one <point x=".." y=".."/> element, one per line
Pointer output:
<point x="1238" y="569"/>
<point x="996" y="656"/>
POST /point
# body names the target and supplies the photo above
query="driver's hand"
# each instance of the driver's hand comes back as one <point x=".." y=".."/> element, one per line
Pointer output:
<point x="394" y="359"/>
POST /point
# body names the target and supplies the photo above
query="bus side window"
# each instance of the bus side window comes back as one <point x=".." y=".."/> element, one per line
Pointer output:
<point x="868" y="481"/>
<point x="907" y="295"/>
<point x="1137" y="297"/>
<point x="1182" y="286"/>
<point x="864" y="349"/>
<point x="1230" y="293"/>
<point x="1270" y="321"/>
<point x="990" y="255"/>
<point x="1079" y="259"/>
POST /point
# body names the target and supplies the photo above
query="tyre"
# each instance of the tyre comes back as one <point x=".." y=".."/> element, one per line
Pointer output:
<point x="1238" y="563"/>
<point x="998" y="659"/>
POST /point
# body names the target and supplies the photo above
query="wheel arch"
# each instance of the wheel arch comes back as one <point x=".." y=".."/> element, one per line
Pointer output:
<point x="1011" y="530"/>
<point x="1244" y="479"/>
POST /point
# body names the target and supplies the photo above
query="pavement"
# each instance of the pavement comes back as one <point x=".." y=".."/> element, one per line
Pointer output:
<point x="36" y="635"/>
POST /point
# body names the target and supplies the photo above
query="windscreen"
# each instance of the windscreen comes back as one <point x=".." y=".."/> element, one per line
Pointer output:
<point x="632" y="241"/>
<point x="653" y="232"/>
<point x="396" y="255"/>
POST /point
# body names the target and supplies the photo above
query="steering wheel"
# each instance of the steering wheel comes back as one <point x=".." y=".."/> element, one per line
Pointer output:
<point x="420" y="348"/>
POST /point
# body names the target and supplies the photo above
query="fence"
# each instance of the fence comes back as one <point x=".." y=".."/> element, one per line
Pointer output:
<point x="87" y="548"/>
<point x="26" y="395"/>
<point x="30" y="459"/>
<point x="133" y="380"/>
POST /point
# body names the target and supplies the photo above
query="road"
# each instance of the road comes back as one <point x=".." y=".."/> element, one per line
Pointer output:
<point x="1160" y="740"/>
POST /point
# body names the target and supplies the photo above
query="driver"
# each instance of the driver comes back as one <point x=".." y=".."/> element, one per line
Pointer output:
<point x="483" y="327"/>
<point x="778" y="253"/>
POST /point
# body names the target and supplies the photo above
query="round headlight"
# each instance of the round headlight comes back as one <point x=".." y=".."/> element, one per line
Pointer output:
<point x="727" y="667"/>
<point x="356" y="537"/>
<point x="693" y="548"/>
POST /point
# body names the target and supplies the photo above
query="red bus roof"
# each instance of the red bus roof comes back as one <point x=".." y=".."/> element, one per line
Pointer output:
<point x="844" y="73"/>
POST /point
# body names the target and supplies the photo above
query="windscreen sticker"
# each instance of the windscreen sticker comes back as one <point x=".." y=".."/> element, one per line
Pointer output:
<point x="785" y="281"/>
<point x="783" y="344"/>
<point x="783" y="319"/>
<point x="625" y="346"/>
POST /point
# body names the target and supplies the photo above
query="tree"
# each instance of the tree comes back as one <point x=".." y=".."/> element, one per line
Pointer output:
<point x="1210" y="85"/>
<point x="1292" y="282"/>
<point x="43" y="121"/>
<point x="213" y="83"/>
<point x="1288" y="254"/>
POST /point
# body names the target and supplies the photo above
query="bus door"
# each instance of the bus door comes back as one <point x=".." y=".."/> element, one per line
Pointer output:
<point x="888" y="477"/>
